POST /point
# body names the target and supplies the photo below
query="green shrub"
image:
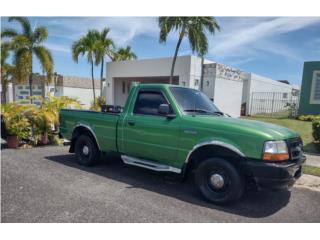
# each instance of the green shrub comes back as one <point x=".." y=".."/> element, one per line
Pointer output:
<point x="100" y="101"/>
<point x="316" y="131"/>
<point x="308" y="118"/>
<point x="15" y="120"/>
<point x="30" y="122"/>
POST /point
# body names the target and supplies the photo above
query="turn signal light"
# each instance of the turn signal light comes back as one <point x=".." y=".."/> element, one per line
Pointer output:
<point x="275" y="156"/>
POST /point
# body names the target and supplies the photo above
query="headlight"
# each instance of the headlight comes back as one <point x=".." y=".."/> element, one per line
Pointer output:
<point x="275" y="151"/>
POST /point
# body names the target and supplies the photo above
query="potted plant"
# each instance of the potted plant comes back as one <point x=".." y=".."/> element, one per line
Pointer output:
<point x="16" y="124"/>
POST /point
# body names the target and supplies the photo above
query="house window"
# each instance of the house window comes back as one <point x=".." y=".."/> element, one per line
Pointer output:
<point x="39" y="87"/>
<point x="284" y="95"/>
<point x="24" y="92"/>
<point x="26" y="87"/>
<point x="37" y="93"/>
<point x="20" y="87"/>
<point x="315" y="88"/>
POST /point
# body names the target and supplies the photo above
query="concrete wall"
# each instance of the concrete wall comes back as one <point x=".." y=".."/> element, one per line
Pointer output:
<point x="84" y="95"/>
<point x="228" y="95"/>
<point x="9" y="94"/>
<point x="224" y="85"/>
<point x="256" y="83"/>
<point x="186" y="68"/>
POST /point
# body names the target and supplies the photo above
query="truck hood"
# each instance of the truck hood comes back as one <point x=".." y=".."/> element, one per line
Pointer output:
<point x="244" y="126"/>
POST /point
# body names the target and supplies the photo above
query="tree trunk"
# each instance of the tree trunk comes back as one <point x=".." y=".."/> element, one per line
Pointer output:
<point x="92" y="77"/>
<point x="4" y="93"/>
<point x="13" y="91"/>
<point x="43" y="86"/>
<point x="30" y="83"/>
<point x="202" y="72"/>
<point x="30" y="87"/>
<point x="101" y="76"/>
<point x="175" y="56"/>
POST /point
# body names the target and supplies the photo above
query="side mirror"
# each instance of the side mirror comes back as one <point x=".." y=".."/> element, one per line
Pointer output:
<point x="164" y="109"/>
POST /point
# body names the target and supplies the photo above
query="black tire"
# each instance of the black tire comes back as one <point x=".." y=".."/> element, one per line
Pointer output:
<point x="208" y="177"/>
<point x="86" y="150"/>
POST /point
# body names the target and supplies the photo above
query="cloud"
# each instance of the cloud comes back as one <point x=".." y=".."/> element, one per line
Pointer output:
<point x="58" y="47"/>
<point x="122" y="29"/>
<point x="242" y="34"/>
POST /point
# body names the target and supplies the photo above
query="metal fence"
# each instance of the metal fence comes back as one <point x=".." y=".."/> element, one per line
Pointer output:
<point x="274" y="104"/>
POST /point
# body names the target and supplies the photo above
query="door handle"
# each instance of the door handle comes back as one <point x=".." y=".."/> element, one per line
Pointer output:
<point x="131" y="123"/>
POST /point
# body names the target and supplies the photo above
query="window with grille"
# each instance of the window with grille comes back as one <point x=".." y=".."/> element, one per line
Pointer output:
<point x="315" y="88"/>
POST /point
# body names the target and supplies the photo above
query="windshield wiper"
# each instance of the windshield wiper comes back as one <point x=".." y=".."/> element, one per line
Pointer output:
<point x="197" y="110"/>
<point x="203" y="111"/>
<point x="219" y="113"/>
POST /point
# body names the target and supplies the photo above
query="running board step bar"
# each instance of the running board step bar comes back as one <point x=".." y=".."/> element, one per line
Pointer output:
<point x="148" y="164"/>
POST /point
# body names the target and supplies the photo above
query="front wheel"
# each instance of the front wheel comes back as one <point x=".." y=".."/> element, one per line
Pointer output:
<point x="218" y="181"/>
<point x="86" y="151"/>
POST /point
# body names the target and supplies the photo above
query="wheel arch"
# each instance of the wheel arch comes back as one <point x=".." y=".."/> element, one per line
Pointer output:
<point x="80" y="129"/>
<point x="214" y="148"/>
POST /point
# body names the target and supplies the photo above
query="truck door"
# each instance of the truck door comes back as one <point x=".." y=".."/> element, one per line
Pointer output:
<point x="149" y="135"/>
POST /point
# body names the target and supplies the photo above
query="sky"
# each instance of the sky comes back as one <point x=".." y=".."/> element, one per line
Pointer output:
<point x="274" y="47"/>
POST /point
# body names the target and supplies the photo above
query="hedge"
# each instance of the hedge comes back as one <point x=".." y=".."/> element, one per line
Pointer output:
<point x="316" y="131"/>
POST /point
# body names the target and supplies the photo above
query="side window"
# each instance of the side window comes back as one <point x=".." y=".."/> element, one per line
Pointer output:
<point x="148" y="103"/>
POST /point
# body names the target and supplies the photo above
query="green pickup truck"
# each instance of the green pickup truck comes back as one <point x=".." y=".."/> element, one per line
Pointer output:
<point x="176" y="129"/>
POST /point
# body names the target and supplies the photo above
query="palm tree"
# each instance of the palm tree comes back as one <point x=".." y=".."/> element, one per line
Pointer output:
<point x="123" y="54"/>
<point x="104" y="47"/>
<point x="5" y="70"/>
<point x="192" y="27"/>
<point x="27" y="44"/>
<point x="87" y="45"/>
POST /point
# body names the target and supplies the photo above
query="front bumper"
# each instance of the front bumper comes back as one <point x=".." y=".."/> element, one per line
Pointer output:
<point x="275" y="176"/>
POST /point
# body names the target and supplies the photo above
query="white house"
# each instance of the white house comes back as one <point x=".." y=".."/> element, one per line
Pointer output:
<point x="261" y="89"/>
<point x="228" y="87"/>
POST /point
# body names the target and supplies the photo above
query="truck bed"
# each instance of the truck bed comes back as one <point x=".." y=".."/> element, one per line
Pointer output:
<point x="102" y="124"/>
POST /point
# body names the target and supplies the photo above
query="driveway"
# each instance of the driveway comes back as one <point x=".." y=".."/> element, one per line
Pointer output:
<point x="46" y="185"/>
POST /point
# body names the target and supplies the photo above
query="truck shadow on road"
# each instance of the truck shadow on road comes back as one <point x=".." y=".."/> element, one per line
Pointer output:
<point x="252" y="205"/>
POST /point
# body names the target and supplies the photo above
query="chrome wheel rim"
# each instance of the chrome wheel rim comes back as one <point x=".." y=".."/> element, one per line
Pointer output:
<point x="217" y="181"/>
<point x="85" y="150"/>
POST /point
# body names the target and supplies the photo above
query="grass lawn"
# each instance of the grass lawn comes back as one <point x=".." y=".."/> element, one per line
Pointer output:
<point x="302" y="127"/>
<point x="311" y="170"/>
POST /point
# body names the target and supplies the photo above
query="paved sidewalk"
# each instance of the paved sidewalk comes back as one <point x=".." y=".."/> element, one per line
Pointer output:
<point x="312" y="160"/>
<point x="309" y="181"/>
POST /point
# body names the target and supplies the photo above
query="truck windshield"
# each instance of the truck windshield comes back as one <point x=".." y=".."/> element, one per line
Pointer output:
<point x="192" y="101"/>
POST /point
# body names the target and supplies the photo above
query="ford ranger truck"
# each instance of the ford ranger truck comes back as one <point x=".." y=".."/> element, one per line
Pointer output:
<point x="177" y="129"/>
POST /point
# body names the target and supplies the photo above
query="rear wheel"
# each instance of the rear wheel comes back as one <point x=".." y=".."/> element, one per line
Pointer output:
<point x="218" y="181"/>
<point x="86" y="150"/>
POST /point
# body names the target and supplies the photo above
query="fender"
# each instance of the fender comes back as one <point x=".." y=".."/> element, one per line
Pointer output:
<point x="214" y="143"/>
<point x="89" y="129"/>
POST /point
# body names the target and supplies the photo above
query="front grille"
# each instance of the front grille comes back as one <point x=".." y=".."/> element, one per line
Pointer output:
<point x="295" y="146"/>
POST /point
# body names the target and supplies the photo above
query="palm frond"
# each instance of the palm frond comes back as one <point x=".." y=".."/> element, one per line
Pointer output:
<point x="40" y="34"/>
<point x="8" y="32"/>
<point x="45" y="58"/>
<point x="25" y="23"/>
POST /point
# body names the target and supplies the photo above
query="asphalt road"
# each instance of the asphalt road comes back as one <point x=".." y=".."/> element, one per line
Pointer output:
<point x="46" y="185"/>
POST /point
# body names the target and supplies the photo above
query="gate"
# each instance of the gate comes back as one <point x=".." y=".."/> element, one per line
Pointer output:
<point x="274" y="104"/>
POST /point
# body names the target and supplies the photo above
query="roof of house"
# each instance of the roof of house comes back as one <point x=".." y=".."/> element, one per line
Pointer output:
<point x="67" y="81"/>
<point x="79" y="82"/>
